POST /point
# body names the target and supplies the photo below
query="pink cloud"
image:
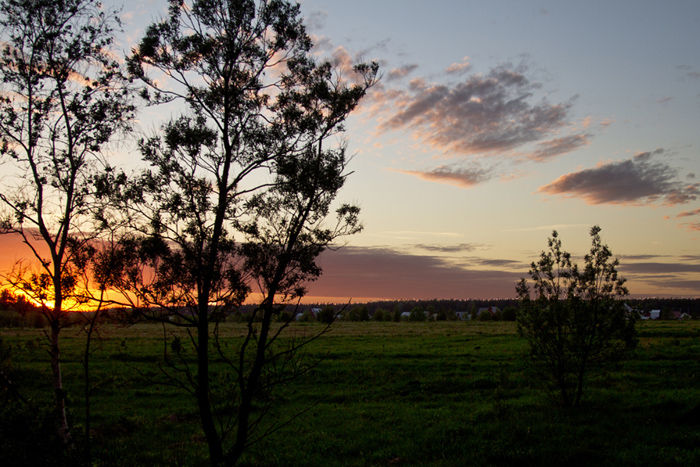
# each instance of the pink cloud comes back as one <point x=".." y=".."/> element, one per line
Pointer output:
<point x="692" y="226"/>
<point x="695" y="212"/>
<point x="641" y="180"/>
<point x="459" y="67"/>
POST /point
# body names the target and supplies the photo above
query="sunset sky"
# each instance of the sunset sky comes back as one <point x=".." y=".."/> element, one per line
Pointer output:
<point x="496" y="122"/>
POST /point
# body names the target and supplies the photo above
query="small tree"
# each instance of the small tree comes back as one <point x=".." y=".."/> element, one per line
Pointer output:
<point x="396" y="314"/>
<point x="326" y="315"/>
<point x="380" y="315"/>
<point x="574" y="320"/>
<point x="62" y="97"/>
<point x="417" y="315"/>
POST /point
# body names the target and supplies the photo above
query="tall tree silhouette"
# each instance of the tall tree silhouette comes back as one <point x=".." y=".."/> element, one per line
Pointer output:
<point x="238" y="193"/>
<point x="62" y="98"/>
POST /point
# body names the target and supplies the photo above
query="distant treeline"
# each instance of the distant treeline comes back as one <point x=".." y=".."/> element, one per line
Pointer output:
<point x="16" y="311"/>
<point x="448" y="308"/>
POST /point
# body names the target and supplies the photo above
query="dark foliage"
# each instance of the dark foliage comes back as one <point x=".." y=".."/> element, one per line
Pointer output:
<point x="237" y="196"/>
<point x="576" y="323"/>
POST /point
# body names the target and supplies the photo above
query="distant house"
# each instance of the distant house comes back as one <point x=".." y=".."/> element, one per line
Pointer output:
<point x="490" y="309"/>
<point x="463" y="315"/>
<point x="311" y="313"/>
<point x="655" y="314"/>
<point x="629" y="310"/>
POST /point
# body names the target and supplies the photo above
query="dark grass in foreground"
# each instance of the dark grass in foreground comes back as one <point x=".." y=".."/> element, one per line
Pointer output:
<point x="386" y="394"/>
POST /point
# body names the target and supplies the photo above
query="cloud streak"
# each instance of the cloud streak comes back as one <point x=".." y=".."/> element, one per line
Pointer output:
<point x="558" y="146"/>
<point x="673" y="278"/>
<point x="691" y="226"/>
<point x="650" y="268"/>
<point x="384" y="273"/>
<point x="696" y="212"/>
<point x="464" y="177"/>
<point x="459" y="67"/>
<point x="641" y="180"/>
<point x="396" y="74"/>
<point x="462" y="247"/>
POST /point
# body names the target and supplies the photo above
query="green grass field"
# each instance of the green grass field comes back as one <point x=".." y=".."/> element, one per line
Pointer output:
<point x="392" y="394"/>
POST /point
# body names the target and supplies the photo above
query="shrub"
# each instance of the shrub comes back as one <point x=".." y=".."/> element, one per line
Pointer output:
<point x="326" y="315"/>
<point x="576" y="323"/>
<point x="306" y="317"/>
<point x="284" y="317"/>
<point x="417" y="315"/>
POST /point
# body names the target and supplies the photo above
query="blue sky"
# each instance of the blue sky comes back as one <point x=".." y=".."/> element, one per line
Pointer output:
<point x="496" y="122"/>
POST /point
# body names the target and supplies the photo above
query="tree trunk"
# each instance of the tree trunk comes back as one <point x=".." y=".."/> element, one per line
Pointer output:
<point x="86" y="370"/>
<point x="249" y="390"/>
<point x="59" y="393"/>
<point x="216" y="451"/>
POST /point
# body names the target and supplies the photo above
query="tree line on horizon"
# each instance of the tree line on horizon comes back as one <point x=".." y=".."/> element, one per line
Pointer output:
<point x="23" y="313"/>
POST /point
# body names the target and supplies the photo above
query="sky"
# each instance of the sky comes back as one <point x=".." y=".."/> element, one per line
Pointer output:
<point x="496" y="122"/>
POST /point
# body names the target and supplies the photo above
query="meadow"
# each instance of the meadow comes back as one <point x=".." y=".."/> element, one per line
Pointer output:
<point x="387" y="394"/>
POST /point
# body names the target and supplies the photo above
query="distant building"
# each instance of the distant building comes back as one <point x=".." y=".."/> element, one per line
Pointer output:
<point x="463" y="315"/>
<point x="490" y="309"/>
<point x="311" y="313"/>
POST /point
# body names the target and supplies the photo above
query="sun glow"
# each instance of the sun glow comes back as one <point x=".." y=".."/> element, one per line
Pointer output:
<point x="68" y="304"/>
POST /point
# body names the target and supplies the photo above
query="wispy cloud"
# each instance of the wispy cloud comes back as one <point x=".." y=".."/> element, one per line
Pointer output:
<point x="641" y="180"/>
<point x="680" y="277"/>
<point x="459" y="248"/>
<point x="424" y="232"/>
<point x="659" y="268"/>
<point x="481" y="115"/>
<point x="459" y="67"/>
<point x="315" y="20"/>
<point x="695" y="212"/>
<point x="692" y="226"/>
<point x="642" y="257"/>
<point x="396" y="74"/>
<point x="465" y="177"/>
<point x="552" y="227"/>
<point x="501" y="263"/>
<point x="559" y="146"/>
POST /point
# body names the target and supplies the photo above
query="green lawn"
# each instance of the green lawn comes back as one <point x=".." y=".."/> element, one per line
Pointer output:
<point x="387" y="394"/>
